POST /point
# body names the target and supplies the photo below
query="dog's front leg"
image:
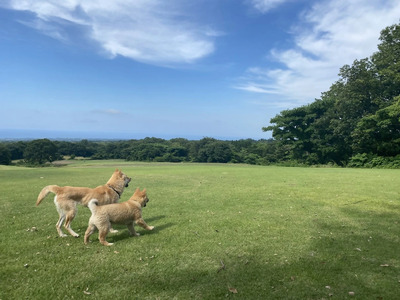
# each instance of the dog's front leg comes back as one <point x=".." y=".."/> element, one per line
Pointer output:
<point x="112" y="230"/>
<point x="132" y="230"/>
<point x="143" y="224"/>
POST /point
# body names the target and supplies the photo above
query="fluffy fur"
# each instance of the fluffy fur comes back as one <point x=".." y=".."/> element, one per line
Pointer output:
<point x="67" y="197"/>
<point x="127" y="213"/>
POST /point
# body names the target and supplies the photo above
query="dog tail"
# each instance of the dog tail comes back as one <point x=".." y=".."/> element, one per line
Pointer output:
<point x="93" y="205"/>
<point x="45" y="191"/>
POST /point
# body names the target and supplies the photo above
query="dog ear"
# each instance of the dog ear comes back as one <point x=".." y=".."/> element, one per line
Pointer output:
<point x="144" y="191"/>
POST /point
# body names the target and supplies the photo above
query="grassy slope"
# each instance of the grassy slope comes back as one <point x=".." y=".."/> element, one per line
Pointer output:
<point x="280" y="233"/>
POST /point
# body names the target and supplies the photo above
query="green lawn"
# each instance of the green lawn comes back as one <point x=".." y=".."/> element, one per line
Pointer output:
<point x="222" y="231"/>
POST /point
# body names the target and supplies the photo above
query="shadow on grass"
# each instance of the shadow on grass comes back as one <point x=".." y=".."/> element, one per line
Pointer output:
<point x="122" y="235"/>
<point x="355" y="257"/>
<point x="123" y="232"/>
<point x="156" y="218"/>
<point x="354" y="252"/>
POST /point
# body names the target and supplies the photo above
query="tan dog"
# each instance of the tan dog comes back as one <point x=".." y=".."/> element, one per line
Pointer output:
<point x="126" y="213"/>
<point x="68" y="197"/>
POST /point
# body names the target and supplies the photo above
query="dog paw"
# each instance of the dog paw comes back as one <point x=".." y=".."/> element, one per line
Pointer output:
<point x="151" y="227"/>
<point x="113" y="230"/>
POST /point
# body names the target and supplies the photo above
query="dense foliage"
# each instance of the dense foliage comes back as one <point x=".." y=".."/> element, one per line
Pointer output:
<point x="359" y="117"/>
<point x="148" y="149"/>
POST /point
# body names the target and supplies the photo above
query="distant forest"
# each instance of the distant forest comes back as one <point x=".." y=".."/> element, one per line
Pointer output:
<point x="356" y="123"/>
<point x="148" y="149"/>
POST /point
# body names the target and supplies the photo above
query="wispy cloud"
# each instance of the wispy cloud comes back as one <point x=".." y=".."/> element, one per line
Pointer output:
<point x="329" y="35"/>
<point x="110" y="111"/>
<point x="265" y="5"/>
<point x="151" y="31"/>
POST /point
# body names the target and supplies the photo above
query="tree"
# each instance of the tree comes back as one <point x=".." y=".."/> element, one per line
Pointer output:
<point x="215" y="152"/>
<point x="387" y="63"/>
<point x="379" y="133"/>
<point x="357" y="113"/>
<point x="84" y="148"/>
<point x="5" y="155"/>
<point x="40" y="151"/>
<point x="296" y="130"/>
<point x="17" y="150"/>
<point x="145" y="151"/>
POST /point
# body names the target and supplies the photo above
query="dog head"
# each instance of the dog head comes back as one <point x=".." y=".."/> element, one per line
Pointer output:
<point x="123" y="177"/>
<point x="141" y="197"/>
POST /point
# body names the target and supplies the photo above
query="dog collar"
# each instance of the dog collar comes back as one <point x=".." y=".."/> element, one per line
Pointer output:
<point x="118" y="193"/>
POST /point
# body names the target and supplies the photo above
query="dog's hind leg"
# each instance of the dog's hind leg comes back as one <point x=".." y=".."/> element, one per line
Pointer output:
<point x="132" y="230"/>
<point x="61" y="218"/>
<point x="69" y="217"/>
<point x="103" y="231"/>
<point x="89" y="231"/>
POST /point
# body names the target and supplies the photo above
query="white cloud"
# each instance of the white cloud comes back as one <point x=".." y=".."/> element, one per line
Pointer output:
<point x="150" y="31"/>
<point x="265" y="5"/>
<point x="110" y="111"/>
<point x="329" y="35"/>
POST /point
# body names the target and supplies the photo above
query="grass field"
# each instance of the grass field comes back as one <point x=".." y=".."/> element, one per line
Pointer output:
<point x="221" y="231"/>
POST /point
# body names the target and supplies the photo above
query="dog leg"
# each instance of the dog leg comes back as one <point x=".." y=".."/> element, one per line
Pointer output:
<point x="89" y="231"/>
<point x="59" y="225"/>
<point x="143" y="224"/>
<point x="112" y="230"/>
<point x="70" y="216"/>
<point x="132" y="230"/>
<point x="103" y="231"/>
<point x="102" y="238"/>
<point x="61" y="218"/>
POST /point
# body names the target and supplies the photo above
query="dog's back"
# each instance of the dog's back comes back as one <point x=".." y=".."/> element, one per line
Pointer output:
<point x="119" y="213"/>
<point x="78" y="194"/>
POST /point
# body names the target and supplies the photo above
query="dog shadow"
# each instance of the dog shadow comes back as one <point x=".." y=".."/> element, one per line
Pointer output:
<point x="124" y="232"/>
<point x="156" y="218"/>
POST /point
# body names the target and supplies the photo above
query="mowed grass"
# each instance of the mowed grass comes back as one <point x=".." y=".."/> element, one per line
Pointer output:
<point x="221" y="231"/>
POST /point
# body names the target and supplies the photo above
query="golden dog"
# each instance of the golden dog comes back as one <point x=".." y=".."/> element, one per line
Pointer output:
<point x="67" y="197"/>
<point x="126" y="213"/>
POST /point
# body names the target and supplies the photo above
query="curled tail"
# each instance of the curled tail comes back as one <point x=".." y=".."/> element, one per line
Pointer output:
<point x="45" y="191"/>
<point x="93" y="205"/>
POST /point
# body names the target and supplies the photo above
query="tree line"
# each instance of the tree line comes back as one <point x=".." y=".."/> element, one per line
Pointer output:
<point x="41" y="151"/>
<point x="357" y="121"/>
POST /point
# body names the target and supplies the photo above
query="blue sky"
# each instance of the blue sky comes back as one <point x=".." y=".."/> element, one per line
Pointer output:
<point x="200" y="68"/>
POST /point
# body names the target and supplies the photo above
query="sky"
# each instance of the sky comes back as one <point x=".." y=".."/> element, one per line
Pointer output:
<point x="129" y="69"/>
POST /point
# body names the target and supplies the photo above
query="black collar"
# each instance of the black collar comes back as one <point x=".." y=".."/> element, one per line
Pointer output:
<point x="118" y="193"/>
